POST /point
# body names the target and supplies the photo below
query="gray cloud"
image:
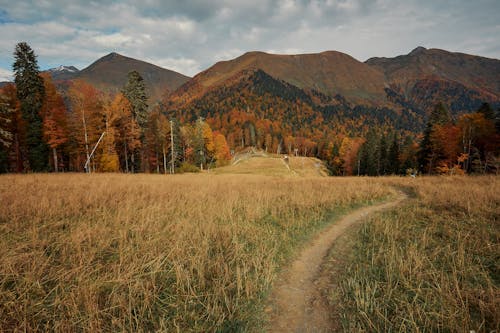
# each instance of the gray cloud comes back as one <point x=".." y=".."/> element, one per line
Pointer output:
<point x="190" y="35"/>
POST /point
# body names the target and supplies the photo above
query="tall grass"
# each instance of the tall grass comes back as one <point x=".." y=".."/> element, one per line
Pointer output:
<point x="154" y="253"/>
<point x="432" y="265"/>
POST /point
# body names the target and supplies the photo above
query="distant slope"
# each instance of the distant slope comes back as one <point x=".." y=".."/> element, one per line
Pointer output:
<point x="426" y="76"/>
<point x="331" y="73"/>
<point x="109" y="73"/>
<point x="261" y="163"/>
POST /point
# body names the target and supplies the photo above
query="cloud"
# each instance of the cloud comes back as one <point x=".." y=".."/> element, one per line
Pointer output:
<point x="6" y="75"/>
<point x="191" y="35"/>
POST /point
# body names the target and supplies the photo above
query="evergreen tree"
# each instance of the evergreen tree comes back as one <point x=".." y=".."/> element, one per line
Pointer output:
<point x="369" y="155"/>
<point x="30" y="92"/>
<point x="393" y="156"/>
<point x="487" y="111"/>
<point x="383" y="162"/>
<point x="135" y="92"/>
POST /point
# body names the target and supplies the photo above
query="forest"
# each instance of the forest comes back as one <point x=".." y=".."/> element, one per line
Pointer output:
<point x="52" y="127"/>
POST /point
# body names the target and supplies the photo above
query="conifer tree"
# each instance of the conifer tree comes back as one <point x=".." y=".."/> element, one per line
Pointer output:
<point x="135" y="92"/>
<point x="393" y="156"/>
<point x="487" y="111"/>
<point x="30" y="92"/>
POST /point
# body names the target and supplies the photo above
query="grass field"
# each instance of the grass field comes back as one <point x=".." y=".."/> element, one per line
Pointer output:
<point x="155" y="253"/>
<point x="432" y="265"/>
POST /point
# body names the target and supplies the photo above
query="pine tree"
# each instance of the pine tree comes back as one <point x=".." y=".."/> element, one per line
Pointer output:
<point x="135" y="92"/>
<point x="487" y="111"/>
<point x="383" y="162"/>
<point x="369" y="155"/>
<point x="393" y="156"/>
<point x="30" y="92"/>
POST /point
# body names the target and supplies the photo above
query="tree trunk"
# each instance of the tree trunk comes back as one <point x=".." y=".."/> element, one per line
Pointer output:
<point x="164" y="159"/>
<point x="86" y="139"/>
<point x="54" y="152"/>
<point x="126" y="157"/>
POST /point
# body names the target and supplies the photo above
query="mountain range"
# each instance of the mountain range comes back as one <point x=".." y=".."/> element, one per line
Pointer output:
<point x="413" y="83"/>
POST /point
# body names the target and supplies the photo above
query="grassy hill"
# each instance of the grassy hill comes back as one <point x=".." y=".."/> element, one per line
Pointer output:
<point x="259" y="163"/>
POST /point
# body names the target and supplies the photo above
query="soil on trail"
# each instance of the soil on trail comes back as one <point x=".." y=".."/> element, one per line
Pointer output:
<point x="297" y="302"/>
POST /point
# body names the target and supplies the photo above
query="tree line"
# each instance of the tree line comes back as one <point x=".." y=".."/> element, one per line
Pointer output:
<point x="84" y="129"/>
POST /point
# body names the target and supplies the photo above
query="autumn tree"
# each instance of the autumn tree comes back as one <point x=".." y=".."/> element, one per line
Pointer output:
<point x="30" y="92"/>
<point x="6" y="130"/>
<point x="54" y="116"/>
<point x="479" y="139"/>
<point x="127" y="131"/>
<point x="221" y="149"/>
<point x="430" y="149"/>
<point x="112" y="112"/>
<point x="86" y="121"/>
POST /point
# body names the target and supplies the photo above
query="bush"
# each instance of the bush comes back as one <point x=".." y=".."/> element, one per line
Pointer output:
<point x="187" y="167"/>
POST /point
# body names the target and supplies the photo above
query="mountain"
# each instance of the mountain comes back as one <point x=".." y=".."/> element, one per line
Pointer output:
<point x="414" y="82"/>
<point x="426" y="76"/>
<point x="109" y="73"/>
<point x="331" y="73"/>
<point x="63" y="72"/>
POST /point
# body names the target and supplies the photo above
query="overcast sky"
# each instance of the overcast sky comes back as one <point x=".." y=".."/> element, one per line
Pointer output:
<point x="191" y="35"/>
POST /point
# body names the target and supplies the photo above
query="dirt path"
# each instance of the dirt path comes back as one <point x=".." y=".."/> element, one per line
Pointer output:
<point x="297" y="302"/>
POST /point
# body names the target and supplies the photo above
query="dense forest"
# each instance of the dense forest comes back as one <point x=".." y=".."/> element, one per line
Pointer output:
<point x="47" y="127"/>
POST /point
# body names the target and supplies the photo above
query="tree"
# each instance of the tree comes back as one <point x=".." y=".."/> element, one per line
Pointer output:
<point x="30" y="92"/>
<point x="127" y="131"/>
<point x="86" y="120"/>
<point x="7" y="113"/>
<point x="393" y="156"/>
<point x="430" y="150"/>
<point x="369" y="154"/>
<point x="222" y="154"/>
<point x="54" y="116"/>
<point x="487" y="111"/>
<point x="135" y="92"/>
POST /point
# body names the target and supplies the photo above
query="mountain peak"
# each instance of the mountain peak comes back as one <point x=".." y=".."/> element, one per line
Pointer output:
<point x="418" y="50"/>
<point x="62" y="68"/>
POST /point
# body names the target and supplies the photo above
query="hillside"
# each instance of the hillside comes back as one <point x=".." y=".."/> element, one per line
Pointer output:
<point x="425" y="76"/>
<point x="331" y="73"/>
<point x="109" y="73"/>
<point x="252" y="162"/>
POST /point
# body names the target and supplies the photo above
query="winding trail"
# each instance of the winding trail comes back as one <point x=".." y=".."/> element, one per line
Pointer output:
<point x="297" y="303"/>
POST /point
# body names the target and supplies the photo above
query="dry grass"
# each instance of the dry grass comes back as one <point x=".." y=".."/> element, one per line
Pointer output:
<point x="154" y="253"/>
<point x="273" y="165"/>
<point x="432" y="265"/>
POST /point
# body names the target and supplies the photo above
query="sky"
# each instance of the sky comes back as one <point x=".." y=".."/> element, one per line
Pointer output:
<point x="189" y="36"/>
